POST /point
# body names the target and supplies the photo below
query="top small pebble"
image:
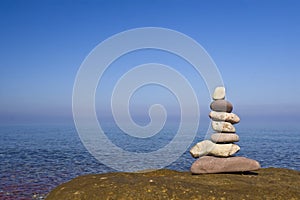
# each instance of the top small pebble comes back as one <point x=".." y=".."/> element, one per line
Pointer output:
<point x="219" y="93"/>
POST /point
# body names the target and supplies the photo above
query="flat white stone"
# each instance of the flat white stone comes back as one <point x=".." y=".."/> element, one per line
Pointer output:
<point x="219" y="93"/>
<point x="207" y="147"/>
<point x="224" y="137"/>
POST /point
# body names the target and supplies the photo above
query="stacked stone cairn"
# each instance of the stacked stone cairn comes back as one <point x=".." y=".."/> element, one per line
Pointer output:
<point x="216" y="155"/>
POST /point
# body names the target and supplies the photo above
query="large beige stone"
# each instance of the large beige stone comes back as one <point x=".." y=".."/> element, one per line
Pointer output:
<point x="207" y="147"/>
<point x="224" y="137"/>
<point x="225" y="127"/>
<point x="219" y="93"/>
<point x="224" y="116"/>
<point x="210" y="164"/>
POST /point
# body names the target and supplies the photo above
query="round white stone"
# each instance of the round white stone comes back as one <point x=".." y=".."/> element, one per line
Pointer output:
<point x="225" y="127"/>
<point x="224" y="116"/>
<point x="219" y="93"/>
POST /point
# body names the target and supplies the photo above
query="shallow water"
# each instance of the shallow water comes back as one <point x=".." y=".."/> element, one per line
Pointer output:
<point x="35" y="159"/>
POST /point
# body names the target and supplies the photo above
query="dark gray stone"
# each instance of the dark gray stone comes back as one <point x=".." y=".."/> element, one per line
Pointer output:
<point x="221" y="106"/>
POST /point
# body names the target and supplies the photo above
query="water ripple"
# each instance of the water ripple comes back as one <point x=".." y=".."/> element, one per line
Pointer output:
<point x="34" y="160"/>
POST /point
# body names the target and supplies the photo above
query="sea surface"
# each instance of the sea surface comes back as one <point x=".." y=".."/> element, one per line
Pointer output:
<point x="36" y="159"/>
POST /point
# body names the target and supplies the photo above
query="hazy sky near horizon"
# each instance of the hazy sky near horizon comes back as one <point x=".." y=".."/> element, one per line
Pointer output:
<point x="255" y="45"/>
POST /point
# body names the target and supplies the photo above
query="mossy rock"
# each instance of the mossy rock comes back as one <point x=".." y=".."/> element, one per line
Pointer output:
<point x="269" y="183"/>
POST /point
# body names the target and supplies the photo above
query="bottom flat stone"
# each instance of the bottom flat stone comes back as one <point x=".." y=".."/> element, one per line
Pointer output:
<point x="210" y="164"/>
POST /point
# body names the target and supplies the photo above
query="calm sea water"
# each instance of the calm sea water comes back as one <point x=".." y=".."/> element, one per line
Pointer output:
<point x="35" y="159"/>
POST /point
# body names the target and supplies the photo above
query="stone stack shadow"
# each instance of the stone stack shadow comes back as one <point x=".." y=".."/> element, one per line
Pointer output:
<point x="217" y="154"/>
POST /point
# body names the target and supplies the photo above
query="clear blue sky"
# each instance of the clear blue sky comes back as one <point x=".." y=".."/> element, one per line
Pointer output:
<point x="255" y="44"/>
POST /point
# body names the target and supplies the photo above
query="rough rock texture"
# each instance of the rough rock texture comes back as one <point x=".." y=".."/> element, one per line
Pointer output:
<point x="224" y="137"/>
<point x="221" y="106"/>
<point x="270" y="183"/>
<point x="207" y="147"/>
<point x="225" y="127"/>
<point x="219" y="93"/>
<point x="210" y="164"/>
<point x="224" y="116"/>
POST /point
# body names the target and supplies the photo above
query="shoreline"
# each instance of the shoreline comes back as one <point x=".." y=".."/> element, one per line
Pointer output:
<point x="272" y="183"/>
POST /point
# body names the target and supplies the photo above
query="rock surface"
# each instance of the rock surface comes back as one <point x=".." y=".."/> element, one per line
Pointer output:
<point x="224" y="116"/>
<point x="270" y="183"/>
<point x="221" y="106"/>
<point x="210" y="164"/>
<point x="224" y="137"/>
<point x="219" y="93"/>
<point x="225" y="127"/>
<point x="207" y="147"/>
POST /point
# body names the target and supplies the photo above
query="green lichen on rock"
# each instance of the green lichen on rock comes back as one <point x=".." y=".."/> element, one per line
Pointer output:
<point x="269" y="183"/>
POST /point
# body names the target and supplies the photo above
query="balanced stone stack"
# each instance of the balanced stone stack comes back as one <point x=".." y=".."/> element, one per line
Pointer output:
<point x="216" y="154"/>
